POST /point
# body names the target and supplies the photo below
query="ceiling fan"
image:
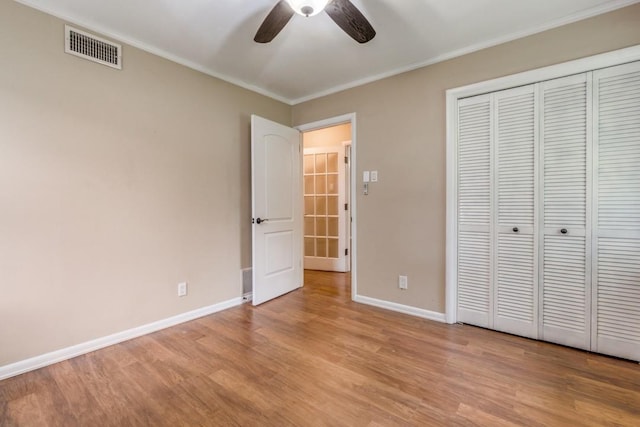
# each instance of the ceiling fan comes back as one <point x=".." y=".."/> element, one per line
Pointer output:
<point x="343" y="13"/>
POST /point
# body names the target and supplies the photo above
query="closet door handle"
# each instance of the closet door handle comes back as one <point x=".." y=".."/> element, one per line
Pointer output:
<point x="564" y="231"/>
<point x="515" y="229"/>
<point x="260" y="220"/>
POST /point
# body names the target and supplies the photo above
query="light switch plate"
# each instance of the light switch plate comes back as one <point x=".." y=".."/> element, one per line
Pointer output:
<point x="374" y="176"/>
<point x="403" y="282"/>
<point x="365" y="176"/>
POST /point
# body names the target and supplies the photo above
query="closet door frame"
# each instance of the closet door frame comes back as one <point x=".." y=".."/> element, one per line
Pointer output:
<point x="583" y="65"/>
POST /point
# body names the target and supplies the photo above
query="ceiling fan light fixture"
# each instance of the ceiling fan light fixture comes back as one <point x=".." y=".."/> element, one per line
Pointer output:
<point x="342" y="12"/>
<point x="308" y="7"/>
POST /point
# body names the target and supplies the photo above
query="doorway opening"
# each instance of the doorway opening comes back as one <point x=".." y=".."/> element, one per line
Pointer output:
<point x="327" y="168"/>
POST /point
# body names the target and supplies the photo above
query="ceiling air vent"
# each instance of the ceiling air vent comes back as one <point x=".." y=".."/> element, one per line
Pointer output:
<point x="93" y="48"/>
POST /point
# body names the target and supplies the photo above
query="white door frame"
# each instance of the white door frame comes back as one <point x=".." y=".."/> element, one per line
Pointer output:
<point x="334" y="121"/>
<point x="347" y="189"/>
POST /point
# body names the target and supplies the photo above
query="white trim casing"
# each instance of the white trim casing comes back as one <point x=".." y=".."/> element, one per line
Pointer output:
<point x="451" y="243"/>
<point x="582" y="65"/>
<point x="348" y="190"/>
<point x="47" y="359"/>
<point x="400" y="308"/>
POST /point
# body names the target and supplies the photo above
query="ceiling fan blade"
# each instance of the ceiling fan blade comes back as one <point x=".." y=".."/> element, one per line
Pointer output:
<point x="351" y="20"/>
<point x="274" y="22"/>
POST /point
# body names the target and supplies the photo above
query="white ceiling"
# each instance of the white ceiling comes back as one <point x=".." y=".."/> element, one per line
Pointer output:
<point x="312" y="56"/>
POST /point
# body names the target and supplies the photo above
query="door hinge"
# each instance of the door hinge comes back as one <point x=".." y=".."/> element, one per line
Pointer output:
<point x="346" y="159"/>
<point x="346" y="251"/>
<point x="346" y="206"/>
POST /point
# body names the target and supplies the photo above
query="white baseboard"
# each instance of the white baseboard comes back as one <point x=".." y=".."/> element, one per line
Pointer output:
<point x="46" y="359"/>
<point x="406" y="309"/>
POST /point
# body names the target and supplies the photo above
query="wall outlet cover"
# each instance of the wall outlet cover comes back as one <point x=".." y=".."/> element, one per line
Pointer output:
<point x="182" y="289"/>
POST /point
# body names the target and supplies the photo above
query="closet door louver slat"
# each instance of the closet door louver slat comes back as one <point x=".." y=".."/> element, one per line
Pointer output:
<point x="617" y="211"/>
<point x="515" y="158"/>
<point x="474" y="210"/>
<point x="565" y="273"/>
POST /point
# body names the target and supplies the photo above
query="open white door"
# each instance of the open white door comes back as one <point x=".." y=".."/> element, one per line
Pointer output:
<point x="276" y="209"/>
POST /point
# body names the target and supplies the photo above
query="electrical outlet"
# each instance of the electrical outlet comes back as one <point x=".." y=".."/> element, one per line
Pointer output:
<point x="403" y="282"/>
<point x="182" y="289"/>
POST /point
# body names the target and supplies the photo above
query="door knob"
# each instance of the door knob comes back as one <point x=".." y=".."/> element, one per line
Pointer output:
<point x="563" y="230"/>
<point x="515" y="229"/>
<point x="260" y="220"/>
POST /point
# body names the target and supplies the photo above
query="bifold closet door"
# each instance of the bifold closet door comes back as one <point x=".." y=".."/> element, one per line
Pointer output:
<point x="474" y="211"/>
<point x="565" y="312"/>
<point x="515" y="244"/>
<point x="616" y="240"/>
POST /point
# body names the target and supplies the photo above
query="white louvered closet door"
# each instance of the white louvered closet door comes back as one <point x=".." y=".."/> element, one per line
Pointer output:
<point x="474" y="210"/>
<point x="616" y="240"/>
<point x="565" y="312"/>
<point x="515" y="269"/>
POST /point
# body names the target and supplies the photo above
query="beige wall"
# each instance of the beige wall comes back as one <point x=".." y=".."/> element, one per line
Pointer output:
<point x="401" y="223"/>
<point x="114" y="187"/>
<point x="327" y="137"/>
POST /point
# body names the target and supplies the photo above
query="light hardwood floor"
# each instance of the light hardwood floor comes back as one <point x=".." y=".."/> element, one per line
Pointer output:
<point x="313" y="357"/>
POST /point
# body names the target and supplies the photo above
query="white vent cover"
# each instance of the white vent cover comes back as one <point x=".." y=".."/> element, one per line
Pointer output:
<point x="93" y="48"/>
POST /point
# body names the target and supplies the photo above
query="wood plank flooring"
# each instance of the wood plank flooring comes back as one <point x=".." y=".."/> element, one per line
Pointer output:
<point x="314" y="358"/>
